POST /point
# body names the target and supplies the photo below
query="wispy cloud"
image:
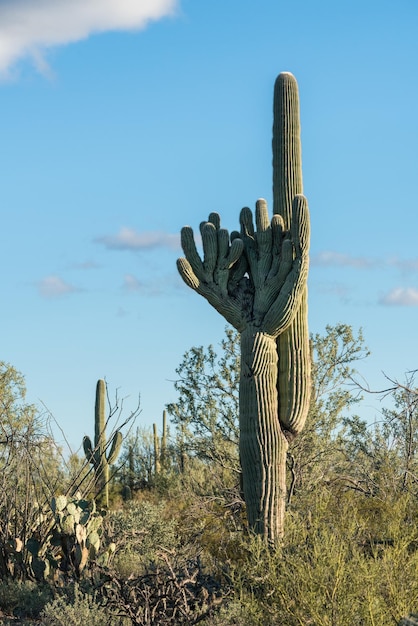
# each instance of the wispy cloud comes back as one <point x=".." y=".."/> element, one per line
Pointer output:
<point x="130" y="239"/>
<point x="329" y="258"/>
<point x="54" y="287"/>
<point x="131" y="283"/>
<point x="405" y="266"/>
<point x="158" y="285"/>
<point x="86" y="265"/>
<point x="29" y="27"/>
<point x="340" y="290"/>
<point x="400" y="296"/>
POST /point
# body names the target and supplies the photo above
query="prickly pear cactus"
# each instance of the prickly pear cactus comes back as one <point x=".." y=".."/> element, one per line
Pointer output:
<point x="76" y="531"/>
<point x="256" y="279"/>
<point x="101" y="456"/>
<point x="61" y="541"/>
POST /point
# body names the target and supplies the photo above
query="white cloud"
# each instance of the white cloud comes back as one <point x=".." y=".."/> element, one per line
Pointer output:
<point x="54" y="287"/>
<point x="401" y="296"/>
<point x="29" y="27"/>
<point x="130" y="239"/>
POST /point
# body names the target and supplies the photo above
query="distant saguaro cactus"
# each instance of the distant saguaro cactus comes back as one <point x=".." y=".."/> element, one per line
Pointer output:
<point x="257" y="280"/>
<point x="102" y="455"/>
<point x="160" y="447"/>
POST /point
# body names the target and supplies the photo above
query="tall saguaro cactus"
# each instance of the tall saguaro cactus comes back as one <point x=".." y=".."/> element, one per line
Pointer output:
<point x="257" y="280"/>
<point x="102" y="455"/>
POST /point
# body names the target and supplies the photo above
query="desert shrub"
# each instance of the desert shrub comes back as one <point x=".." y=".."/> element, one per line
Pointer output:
<point x="174" y="590"/>
<point x="20" y="598"/>
<point x="76" y="608"/>
<point x="237" y="612"/>
<point x="138" y="531"/>
<point x="334" y="567"/>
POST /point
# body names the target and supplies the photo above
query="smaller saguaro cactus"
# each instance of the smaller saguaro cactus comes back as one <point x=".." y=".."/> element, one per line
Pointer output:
<point x="163" y="451"/>
<point x="157" y="457"/>
<point x="160" y="447"/>
<point x="102" y="455"/>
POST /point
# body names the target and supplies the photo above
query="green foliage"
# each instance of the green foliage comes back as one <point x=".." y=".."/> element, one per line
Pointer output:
<point x="137" y="459"/>
<point x="335" y="566"/>
<point x="138" y="463"/>
<point x="400" y="431"/>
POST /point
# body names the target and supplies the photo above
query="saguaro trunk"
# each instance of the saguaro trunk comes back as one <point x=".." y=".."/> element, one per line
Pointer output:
<point x="263" y="446"/>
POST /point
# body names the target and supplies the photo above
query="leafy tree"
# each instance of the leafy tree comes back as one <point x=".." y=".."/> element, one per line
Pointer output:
<point x="206" y="412"/>
<point x="30" y="463"/>
<point x="384" y="456"/>
<point x="400" y="429"/>
<point x="317" y="452"/>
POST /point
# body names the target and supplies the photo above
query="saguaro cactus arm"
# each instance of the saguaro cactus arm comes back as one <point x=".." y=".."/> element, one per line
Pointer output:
<point x="114" y="447"/>
<point x="277" y="263"/>
<point x="294" y="380"/>
<point x="210" y="277"/>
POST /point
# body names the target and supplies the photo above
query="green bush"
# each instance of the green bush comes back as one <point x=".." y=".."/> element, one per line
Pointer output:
<point x="23" y="598"/>
<point x="138" y="531"/>
<point x="79" y="610"/>
<point x="334" y="568"/>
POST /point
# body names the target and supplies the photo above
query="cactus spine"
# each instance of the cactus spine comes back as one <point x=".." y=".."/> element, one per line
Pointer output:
<point x="257" y="280"/>
<point x="102" y="455"/>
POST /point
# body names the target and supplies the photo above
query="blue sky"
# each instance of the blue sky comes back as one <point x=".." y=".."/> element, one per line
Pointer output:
<point x="123" y="122"/>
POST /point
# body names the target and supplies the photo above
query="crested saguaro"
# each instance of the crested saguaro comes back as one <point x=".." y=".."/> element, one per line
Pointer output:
<point x="256" y="279"/>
